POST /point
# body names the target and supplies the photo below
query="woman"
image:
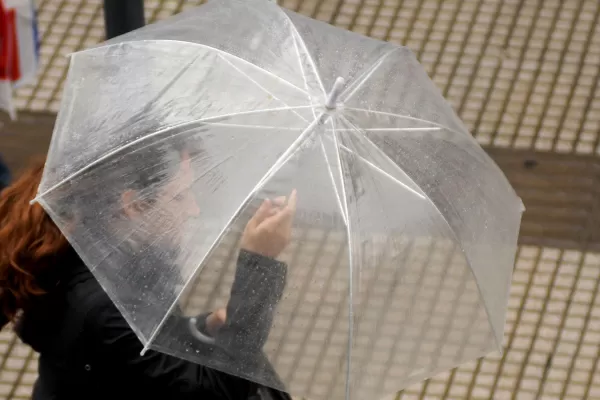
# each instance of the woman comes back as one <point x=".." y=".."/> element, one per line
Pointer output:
<point x="87" y="350"/>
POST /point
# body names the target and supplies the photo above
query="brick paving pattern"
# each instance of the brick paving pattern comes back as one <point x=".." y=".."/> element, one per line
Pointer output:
<point x="523" y="75"/>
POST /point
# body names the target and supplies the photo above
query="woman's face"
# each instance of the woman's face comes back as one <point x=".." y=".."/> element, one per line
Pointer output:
<point x="172" y="206"/>
<point x="176" y="197"/>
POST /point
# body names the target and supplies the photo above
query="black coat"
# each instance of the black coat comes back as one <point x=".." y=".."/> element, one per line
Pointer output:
<point x="88" y="351"/>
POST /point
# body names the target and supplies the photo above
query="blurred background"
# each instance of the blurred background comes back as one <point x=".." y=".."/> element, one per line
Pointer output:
<point x="524" y="76"/>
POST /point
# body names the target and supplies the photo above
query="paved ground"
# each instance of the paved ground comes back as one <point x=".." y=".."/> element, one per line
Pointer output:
<point x="523" y="75"/>
<point x="25" y="139"/>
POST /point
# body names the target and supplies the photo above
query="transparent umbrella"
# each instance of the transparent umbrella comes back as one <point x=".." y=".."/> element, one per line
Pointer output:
<point x="405" y="231"/>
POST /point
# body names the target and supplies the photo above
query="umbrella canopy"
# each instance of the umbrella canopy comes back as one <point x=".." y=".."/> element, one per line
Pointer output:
<point x="170" y="137"/>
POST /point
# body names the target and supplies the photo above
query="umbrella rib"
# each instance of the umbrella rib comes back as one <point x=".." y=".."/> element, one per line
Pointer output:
<point x="153" y="211"/>
<point x="375" y="167"/>
<point x="259" y="85"/>
<point x="304" y="77"/>
<point x="218" y="51"/>
<point x="452" y="230"/>
<point x="156" y="98"/>
<point x="350" y="271"/>
<point x="292" y="149"/>
<point x="305" y="49"/>
<point x="337" y="194"/>
<point x="360" y="81"/>
<point x="381" y="171"/>
<point x="157" y="133"/>
<point x="341" y="172"/>
<point x="377" y="150"/>
<point x="303" y="73"/>
<point x="279" y="128"/>
<point x="394" y="129"/>
<point x="435" y="124"/>
<point x="295" y="146"/>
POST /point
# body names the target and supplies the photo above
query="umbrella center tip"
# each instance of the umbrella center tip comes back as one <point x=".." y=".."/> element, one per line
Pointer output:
<point x="336" y="90"/>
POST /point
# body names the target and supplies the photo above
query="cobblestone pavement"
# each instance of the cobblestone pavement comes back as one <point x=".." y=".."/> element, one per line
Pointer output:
<point x="523" y="75"/>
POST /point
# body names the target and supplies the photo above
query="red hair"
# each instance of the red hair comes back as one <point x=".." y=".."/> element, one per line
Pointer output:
<point x="29" y="244"/>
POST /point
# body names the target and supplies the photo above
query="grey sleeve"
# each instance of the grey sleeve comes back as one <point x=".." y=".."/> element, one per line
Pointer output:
<point x="257" y="289"/>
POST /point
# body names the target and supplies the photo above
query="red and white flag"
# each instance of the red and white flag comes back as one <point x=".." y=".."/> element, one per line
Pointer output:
<point x="19" y="48"/>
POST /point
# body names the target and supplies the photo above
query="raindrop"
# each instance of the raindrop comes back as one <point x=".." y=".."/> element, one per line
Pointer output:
<point x="256" y="41"/>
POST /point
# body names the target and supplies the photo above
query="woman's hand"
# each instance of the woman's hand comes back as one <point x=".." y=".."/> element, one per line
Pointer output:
<point x="270" y="229"/>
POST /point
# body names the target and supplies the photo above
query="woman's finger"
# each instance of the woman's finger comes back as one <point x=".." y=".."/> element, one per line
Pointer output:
<point x="285" y="217"/>
<point x="263" y="212"/>
<point x="292" y="201"/>
<point x="290" y="210"/>
<point x="280" y="201"/>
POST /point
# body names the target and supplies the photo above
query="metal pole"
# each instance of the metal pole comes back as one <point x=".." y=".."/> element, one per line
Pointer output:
<point x="122" y="16"/>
